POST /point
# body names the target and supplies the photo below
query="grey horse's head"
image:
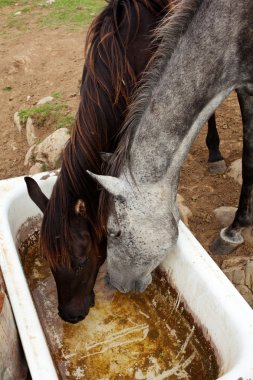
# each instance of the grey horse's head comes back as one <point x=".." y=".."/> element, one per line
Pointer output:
<point x="141" y="231"/>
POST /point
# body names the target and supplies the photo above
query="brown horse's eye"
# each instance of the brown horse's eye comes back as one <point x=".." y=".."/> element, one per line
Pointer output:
<point x="78" y="268"/>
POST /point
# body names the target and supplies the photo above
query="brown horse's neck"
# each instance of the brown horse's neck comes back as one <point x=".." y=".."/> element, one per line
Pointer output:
<point x="119" y="47"/>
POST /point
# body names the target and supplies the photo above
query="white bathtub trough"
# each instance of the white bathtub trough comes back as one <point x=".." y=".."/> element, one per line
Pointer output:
<point x="216" y="305"/>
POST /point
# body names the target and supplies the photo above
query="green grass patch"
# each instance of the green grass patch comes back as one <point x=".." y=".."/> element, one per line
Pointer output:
<point x="43" y="167"/>
<point x="41" y="113"/>
<point x="7" y="89"/>
<point x="67" y="121"/>
<point x="26" y="9"/>
<point x="72" y="14"/>
<point x="54" y="113"/>
<point x="56" y="95"/>
<point x="6" y="3"/>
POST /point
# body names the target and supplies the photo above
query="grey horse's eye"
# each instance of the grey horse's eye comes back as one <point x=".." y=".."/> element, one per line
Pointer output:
<point x="113" y="233"/>
<point x="121" y="199"/>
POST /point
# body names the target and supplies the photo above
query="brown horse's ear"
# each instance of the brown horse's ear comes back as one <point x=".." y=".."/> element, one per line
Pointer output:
<point x="80" y="208"/>
<point x="35" y="193"/>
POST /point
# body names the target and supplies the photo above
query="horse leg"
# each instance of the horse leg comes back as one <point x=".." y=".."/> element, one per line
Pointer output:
<point x="216" y="163"/>
<point x="230" y="237"/>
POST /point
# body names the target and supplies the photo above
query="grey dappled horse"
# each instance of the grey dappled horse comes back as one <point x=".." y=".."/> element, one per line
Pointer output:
<point x="206" y="52"/>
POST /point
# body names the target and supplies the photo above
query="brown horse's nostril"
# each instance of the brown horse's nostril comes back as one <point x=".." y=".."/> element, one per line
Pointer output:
<point x="71" y="319"/>
<point x="77" y="319"/>
<point x="92" y="301"/>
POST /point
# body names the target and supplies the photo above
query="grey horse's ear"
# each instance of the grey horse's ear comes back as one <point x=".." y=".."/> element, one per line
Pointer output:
<point x="105" y="156"/>
<point x="113" y="185"/>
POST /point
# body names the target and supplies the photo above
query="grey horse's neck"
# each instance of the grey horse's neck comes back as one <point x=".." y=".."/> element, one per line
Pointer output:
<point x="201" y="73"/>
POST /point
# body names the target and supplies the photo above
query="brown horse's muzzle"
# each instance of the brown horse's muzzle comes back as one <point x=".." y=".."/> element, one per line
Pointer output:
<point x="70" y="313"/>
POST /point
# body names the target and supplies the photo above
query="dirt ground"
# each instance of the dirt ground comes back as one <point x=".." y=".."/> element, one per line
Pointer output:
<point x="36" y="64"/>
<point x="203" y="192"/>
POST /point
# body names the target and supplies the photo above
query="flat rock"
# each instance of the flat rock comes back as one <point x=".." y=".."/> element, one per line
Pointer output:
<point x="225" y="215"/>
<point x="249" y="274"/>
<point x="49" y="151"/>
<point x="36" y="168"/>
<point x="246" y="293"/>
<point x="47" y="99"/>
<point x="29" y="157"/>
<point x="239" y="271"/>
<point x="235" y="261"/>
<point x="17" y="123"/>
<point x="247" y="234"/>
<point x="30" y="132"/>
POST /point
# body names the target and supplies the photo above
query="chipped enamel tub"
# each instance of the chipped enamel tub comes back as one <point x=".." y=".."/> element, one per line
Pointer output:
<point x="224" y="316"/>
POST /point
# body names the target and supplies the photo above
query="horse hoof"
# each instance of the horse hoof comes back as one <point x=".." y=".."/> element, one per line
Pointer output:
<point x="217" y="167"/>
<point x="221" y="247"/>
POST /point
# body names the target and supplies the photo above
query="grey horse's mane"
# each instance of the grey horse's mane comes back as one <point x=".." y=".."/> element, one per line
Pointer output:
<point x="168" y="34"/>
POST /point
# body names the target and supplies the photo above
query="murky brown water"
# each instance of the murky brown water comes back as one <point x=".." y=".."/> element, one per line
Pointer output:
<point x="125" y="336"/>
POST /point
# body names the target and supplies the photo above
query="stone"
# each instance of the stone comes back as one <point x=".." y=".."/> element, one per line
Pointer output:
<point x="17" y="122"/>
<point x="36" y="168"/>
<point x="235" y="171"/>
<point x="225" y="215"/>
<point x="236" y="261"/>
<point x="239" y="271"/>
<point x="238" y="277"/>
<point x="247" y="234"/>
<point x="30" y="132"/>
<point x="246" y="293"/>
<point x="20" y="63"/>
<point x="47" y="99"/>
<point x="229" y="274"/>
<point x="29" y="157"/>
<point x="249" y="274"/>
<point x="49" y="151"/>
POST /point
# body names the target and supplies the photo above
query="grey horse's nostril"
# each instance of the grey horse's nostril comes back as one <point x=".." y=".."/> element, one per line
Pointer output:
<point x="123" y="290"/>
<point x="115" y="285"/>
<point x="120" y="288"/>
<point x="140" y="286"/>
<point x="108" y="282"/>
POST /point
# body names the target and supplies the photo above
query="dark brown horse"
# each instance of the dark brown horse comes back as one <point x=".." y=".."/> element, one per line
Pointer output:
<point x="119" y="45"/>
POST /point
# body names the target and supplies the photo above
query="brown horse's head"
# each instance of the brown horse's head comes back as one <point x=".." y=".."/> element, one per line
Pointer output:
<point x="74" y="266"/>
